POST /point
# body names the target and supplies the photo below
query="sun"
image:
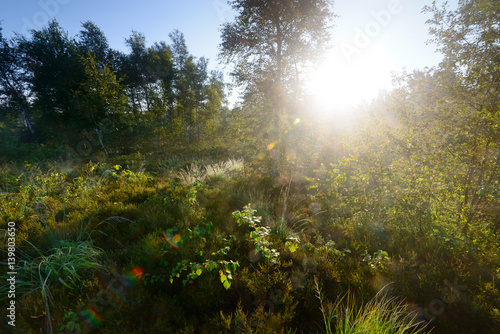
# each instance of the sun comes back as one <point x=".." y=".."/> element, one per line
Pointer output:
<point x="339" y="82"/>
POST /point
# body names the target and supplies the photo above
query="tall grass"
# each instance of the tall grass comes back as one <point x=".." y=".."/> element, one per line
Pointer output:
<point x="216" y="172"/>
<point x="381" y="315"/>
<point x="65" y="264"/>
<point x="191" y="174"/>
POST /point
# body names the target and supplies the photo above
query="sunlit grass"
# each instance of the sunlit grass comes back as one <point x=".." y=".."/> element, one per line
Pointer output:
<point x="381" y="315"/>
<point x="68" y="263"/>
<point x="215" y="172"/>
<point x="190" y="174"/>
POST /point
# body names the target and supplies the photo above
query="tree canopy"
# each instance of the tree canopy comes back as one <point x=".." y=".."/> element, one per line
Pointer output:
<point x="271" y="42"/>
<point x="63" y="89"/>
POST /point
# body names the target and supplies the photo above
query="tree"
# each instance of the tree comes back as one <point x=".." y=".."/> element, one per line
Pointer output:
<point x="101" y="97"/>
<point x="188" y="78"/>
<point x="272" y="41"/>
<point x="134" y="66"/>
<point x="457" y="106"/>
<point x="215" y="99"/>
<point x="92" y="39"/>
<point x="148" y="74"/>
<point x="51" y="57"/>
<point x="160" y="70"/>
<point x="14" y="81"/>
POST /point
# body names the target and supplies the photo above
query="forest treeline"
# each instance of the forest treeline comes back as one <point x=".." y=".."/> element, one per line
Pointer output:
<point x="71" y="92"/>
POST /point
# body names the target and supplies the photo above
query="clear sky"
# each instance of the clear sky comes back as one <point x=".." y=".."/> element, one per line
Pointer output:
<point x="372" y="37"/>
<point x="198" y="20"/>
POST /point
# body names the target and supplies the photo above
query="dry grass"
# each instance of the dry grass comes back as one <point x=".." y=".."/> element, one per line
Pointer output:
<point x="217" y="172"/>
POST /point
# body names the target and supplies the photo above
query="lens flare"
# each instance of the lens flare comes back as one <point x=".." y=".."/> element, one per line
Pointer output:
<point x="116" y="289"/>
<point x="173" y="241"/>
<point x="92" y="316"/>
<point x="271" y="146"/>
<point x="134" y="276"/>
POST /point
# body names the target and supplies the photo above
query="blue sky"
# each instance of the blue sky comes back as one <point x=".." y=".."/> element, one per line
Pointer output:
<point x="403" y="35"/>
<point x="396" y="28"/>
<point x="199" y="20"/>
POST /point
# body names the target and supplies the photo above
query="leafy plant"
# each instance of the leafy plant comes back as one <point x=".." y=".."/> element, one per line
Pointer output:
<point x="377" y="260"/>
<point x="195" y="269"/>
<point x="260" y="234"/>
<point x="71" y="322"/>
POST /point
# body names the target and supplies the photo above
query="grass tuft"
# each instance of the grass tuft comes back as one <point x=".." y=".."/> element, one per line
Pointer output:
<point x="65" y="264"/>
<point x="218" y="171"/>
<point x="381" y="315"/>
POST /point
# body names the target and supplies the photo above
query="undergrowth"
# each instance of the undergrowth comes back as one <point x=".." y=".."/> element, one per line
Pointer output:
<point x="222" y="248"/>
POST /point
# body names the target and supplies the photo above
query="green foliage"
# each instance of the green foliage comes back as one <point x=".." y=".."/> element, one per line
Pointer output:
<point x="196" y="269"/>
<point x="377" y="259"/>
<point x="259" y="235"/>
<point x="79" y="96"/>
<point x="195" y="239"/>
<point x="183" y="236"/>
<point x="71" y="322"/>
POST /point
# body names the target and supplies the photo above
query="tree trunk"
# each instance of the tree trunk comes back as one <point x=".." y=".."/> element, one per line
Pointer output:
<point x="99" y="136"/>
